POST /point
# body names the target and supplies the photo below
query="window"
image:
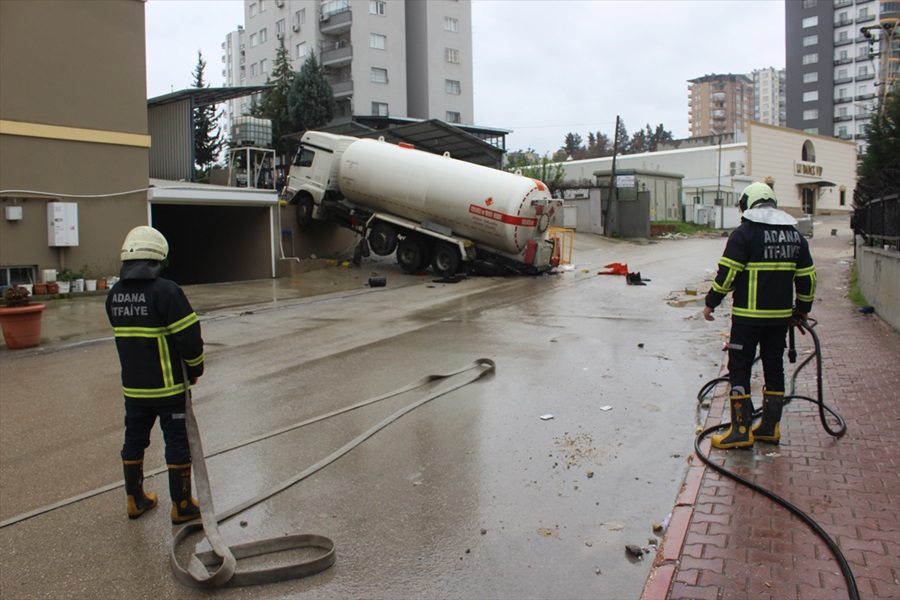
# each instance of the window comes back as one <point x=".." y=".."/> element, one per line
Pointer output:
<point x="254" y="39"/>
<point x="810" y="77"/>
<point x="808" y="115"/>
<point x="263" y="35"/>
<point x="812" y="130"/>
<point x="843" y="36"/>
<point x="810" y="3"/>
<point x="842" y="131"/>
<point x="253" y="9"/>
<point x="264" y="65"/>
<point x="809" y="59"/>
<point x="862" y="71"/>
<point x="810" y="40"/>
<point x="863" y="13"/>
<point x="842" y="111"/>
<point x="453" y="117"/>
<point x="305" y="157"/>
<point x="451" y="86"/>
<point x="843" y="197"/>
<point x="299" y="18"/>
<point x="810" y="22"/>
<point x="253" y="70"/>
<point x="451" y="24"/>
<point x="842" y="74"/>
<point x="376" y="7"/>
<point x="380" y="109"/>
<point x="810" y="96"/>
<point x="378" y="41"/>
<point x="279" y="26"/>
<point x="451" y="55"/>
<point x="301" y="50"/>
<point x="863" y="90"/>
<point x="262" y="5"/>
<point x="379" y="75"/>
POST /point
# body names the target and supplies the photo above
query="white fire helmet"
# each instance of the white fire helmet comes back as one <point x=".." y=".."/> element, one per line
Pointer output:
<point x="145" y="243"/>
<point x="756" y="193"/>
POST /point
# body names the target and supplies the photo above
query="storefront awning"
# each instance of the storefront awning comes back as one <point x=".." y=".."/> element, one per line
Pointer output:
<point x="171" y="192"/>
<point x="817" y="183"/>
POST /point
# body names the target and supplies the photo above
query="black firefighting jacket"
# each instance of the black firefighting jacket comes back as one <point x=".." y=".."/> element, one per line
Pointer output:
<point x="155" y="329"/>
<point x="765" y="261"/>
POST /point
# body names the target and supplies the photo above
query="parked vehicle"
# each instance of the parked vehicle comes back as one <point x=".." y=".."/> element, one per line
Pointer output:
<point x="428" y="208"/>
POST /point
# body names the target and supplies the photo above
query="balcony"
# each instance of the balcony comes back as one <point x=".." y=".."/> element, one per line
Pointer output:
<point x="843" y="61"/>
<point x="843" y="22"/>
<point x="843" y="118"/>
<point x="336" y="54"/>
<point x="843" y="100"/>
<point x="843" y="42"/>
<point x="336" y="22"/>
<point x="342" y="87"/>
<point x="844" y="136"/>
<point x="865" y="77"/>
<point x="840" y="80"/>
<point x="865" y="96"/>
<point x="843" y="3"/>
<point x="865" y="19"/>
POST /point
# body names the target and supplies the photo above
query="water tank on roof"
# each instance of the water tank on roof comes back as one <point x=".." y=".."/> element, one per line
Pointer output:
<point x="251" y="131"/>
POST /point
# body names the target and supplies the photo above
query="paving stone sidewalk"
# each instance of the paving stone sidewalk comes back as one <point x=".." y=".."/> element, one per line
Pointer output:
<point x="726" y="541"/>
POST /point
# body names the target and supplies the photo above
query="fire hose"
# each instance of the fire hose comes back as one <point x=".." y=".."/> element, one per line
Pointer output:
<point x="219" y="566"/>
<point x="804" y="327"/>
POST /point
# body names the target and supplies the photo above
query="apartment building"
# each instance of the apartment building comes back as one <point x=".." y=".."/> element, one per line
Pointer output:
<point x="402" y="58"/>
<point x="720" y="104"/>
<point x="840" y="55"/>
<point x="769" y="99"/>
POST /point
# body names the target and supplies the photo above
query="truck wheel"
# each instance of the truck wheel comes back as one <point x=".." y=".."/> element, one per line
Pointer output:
<point x="304" y="211"/>
<point x="382" y="239"/>
<point x="445" y="259"/>
<point x="412" y="255"/>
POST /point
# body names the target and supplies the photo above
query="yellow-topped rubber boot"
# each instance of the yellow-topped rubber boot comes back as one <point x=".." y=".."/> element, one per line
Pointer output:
<point x="184" y="507"/>
<point x="139" y="501"/>
<point x="739" y="434"/>
<point x="769" y="429"/>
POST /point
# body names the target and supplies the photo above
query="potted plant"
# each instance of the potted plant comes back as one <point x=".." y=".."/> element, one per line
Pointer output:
<point x="64" y="278"/>
<point x="20" y="319"/>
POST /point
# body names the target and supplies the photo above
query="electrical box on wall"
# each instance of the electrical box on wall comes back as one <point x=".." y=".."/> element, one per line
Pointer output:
<point x="13" y="213"/>
<point x="62" y="221"/>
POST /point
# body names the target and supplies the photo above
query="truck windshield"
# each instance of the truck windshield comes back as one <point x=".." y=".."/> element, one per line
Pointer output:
<point x="304" y="158"/>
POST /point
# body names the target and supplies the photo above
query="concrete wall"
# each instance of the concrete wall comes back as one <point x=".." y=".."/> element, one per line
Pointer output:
<point x="879" y="281"/>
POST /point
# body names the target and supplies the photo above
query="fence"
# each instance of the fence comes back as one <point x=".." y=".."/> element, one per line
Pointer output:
<point x="876" y="204"/>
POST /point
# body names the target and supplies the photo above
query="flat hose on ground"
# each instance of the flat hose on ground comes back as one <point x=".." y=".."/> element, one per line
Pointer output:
<point x="219" y="567"/>
<point x="804" y="326"/>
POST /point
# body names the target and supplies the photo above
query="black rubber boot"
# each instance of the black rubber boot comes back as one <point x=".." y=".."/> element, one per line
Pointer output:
<point x="138" y="501"/>
<point x="184" y="507"/>
<point x="768" y="429"/>
<point x="739" y="434"/>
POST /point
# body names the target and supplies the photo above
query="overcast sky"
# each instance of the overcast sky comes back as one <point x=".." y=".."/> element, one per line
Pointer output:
<point x="542" y="68"/>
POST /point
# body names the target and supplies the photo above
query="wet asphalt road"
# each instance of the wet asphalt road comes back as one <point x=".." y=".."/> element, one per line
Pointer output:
<point x="473" y="495"/>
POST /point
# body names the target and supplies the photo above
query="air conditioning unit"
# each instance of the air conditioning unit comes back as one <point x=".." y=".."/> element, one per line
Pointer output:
<point x="296" y="26"/>
<point x="324" y="17"/>
<point x="280" y="35"/>
<point x="279" y="3"/>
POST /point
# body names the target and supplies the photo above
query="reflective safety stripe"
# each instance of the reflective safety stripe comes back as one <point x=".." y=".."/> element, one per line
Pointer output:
<point x="183" y="323"/>
<point x="193" y="362"/>
<point x="754" y="313"/>
<point x="734" y="268"/>
<point x="154" y="392"/>
<point x="146" y="332"/>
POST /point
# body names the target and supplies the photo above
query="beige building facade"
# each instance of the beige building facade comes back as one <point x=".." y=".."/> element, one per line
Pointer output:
<point x="73" y="130"/>
<point x="720" y="104"/>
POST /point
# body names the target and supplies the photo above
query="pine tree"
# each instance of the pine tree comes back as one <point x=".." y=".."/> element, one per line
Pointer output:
<point x="207" y="137"/>
<point x="275" y="105"/>
<point x="311" y="100"/>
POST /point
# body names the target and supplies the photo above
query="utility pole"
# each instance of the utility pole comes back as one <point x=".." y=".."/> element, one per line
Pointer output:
<point x="612" y="179"/>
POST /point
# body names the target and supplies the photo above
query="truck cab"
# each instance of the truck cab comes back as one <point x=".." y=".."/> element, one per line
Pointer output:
<point x="313" y="174"/>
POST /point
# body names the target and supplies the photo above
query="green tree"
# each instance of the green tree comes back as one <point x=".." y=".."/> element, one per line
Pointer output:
<point x="311" y="101"/>
<point x="573" y="145"/>
<point x="207" y="137"/>
<point x="622" y="139"/>
<point x="657" y="137"/>
<point x="545" y="169"/>
<point x="275" y="104"/>
<point x="883" y="137"/>
<point x="639" y="142"/>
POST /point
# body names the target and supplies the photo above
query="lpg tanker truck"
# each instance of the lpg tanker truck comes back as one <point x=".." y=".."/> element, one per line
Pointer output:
<point x="430" y="209"/>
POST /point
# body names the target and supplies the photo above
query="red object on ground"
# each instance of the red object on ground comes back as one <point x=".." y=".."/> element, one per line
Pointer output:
<point x="615" y="269"/>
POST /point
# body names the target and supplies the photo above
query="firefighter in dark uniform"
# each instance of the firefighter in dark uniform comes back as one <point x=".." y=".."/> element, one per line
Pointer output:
<point x="765" y="261"/>
<point x="156" y="331"/>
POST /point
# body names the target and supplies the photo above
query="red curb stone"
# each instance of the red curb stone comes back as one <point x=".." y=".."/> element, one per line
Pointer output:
<point x="657" y="586"/>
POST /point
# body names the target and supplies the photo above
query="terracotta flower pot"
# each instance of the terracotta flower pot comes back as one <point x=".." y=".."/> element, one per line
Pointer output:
<point x="52" y="288"/>
<point x="40" y="289"/>
<point x="21" y="325"/>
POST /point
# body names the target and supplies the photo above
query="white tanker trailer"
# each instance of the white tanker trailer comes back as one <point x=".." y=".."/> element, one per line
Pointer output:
<point x="429" y="208"/>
